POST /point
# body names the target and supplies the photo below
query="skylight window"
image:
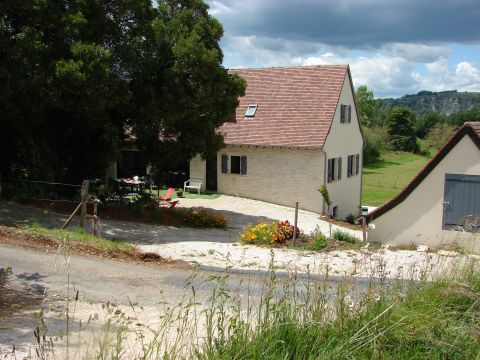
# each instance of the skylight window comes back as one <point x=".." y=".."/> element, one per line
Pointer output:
<point x="251" y="110"/>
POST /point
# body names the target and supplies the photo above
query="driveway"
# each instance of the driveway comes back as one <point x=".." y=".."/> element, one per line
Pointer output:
<point x="240" y="213"/>
<point x="220" y="248"/>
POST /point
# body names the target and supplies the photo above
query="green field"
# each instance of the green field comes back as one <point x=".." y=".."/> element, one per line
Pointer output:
<point x="387" y="177"/>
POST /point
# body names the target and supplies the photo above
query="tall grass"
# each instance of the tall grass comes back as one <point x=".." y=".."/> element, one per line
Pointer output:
<point x="307" y="318"/>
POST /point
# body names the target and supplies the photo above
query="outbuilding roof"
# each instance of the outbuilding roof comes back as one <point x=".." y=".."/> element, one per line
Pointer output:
<point x="295" y="106"/>
<point x="471" y="129"/>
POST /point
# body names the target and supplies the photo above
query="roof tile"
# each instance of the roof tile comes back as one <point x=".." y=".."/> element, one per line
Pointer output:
<point x="296" y="106"/>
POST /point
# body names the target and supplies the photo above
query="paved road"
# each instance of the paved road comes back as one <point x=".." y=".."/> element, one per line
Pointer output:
<point x="102" y="280"/>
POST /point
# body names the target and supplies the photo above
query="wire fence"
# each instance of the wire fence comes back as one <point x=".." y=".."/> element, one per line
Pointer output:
<point x="40" y="190"/>
<point x="382" y="182"/>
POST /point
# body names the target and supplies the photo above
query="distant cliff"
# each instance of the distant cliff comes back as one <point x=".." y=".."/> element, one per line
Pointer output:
<point x="446" y="102"/>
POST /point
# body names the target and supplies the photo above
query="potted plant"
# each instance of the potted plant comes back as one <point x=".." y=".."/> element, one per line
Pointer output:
<point x="179" y="192"/>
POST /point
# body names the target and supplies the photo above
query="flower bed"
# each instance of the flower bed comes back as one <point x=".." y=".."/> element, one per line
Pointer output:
<point x="204" y="219"/>
<point x="269" y="233"/>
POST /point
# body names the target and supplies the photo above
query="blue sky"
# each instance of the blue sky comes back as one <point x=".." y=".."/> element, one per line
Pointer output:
<point x="395" y="47"/>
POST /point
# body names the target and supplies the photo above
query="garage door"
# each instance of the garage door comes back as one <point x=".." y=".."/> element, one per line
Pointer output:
<point x="461" y="198"/>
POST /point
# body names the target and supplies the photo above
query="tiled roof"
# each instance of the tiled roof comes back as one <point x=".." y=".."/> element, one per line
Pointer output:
<point x="475" y="126"/>
<point x="471" y="129"/>
<point x="296" y="106"/>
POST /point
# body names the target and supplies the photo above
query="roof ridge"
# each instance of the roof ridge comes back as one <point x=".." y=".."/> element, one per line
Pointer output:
<point x="290" y="67"/>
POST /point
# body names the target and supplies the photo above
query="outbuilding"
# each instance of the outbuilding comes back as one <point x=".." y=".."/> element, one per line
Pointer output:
<point x="441" y="205"/>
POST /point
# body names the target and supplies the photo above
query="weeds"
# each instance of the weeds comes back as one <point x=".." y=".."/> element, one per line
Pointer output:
<point x="344" y="237"/>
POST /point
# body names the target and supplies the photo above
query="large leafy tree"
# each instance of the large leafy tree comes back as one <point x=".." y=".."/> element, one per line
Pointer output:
<point x="76" y="73"/>
<point x="400" y="127"/>
<point x="365" y="105"/>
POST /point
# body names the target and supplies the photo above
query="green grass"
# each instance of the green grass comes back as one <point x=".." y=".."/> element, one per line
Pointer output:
<point x="384" y="179"/>
<point x="186" y="195"/>
<point x="426" y="320"/>
<point x="78" y="235"/>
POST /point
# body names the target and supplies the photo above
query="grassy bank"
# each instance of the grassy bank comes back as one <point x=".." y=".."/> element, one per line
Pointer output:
<point x="438" y="320"/>
<point x="384" y="179"/>
<point x="77" y="240"/>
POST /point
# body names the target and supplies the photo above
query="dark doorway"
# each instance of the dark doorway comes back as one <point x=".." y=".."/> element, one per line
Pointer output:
<point x="211" y="184"/>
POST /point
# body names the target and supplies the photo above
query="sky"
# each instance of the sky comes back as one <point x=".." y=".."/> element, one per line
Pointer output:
<point x="395" y="47"/>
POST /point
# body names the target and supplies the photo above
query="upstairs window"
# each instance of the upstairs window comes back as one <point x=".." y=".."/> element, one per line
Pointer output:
<point x="345" y="114"/>
<point x="251" y="110"/>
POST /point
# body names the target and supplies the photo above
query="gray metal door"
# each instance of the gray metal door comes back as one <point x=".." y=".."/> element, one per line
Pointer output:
<point x="461" y="198"/>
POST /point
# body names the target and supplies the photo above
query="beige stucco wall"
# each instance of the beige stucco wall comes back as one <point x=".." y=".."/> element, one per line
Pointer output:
<point x="344" y="140"/>
<point x="276" y="175"/>
<point x="418" y="219"/>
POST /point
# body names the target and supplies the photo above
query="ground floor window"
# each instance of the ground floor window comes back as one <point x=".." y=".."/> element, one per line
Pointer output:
<point x="353" y="165"/>
<point x="238" y="164"/>
<point x="334" y="169"/>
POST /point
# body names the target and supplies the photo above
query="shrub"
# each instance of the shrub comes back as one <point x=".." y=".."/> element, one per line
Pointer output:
<point x="344" y="236"/>
<point x="350" y="219"/>
<point x="319" y="242"/>
<point x="204" y="219"/>
<point x="269" y="233"/>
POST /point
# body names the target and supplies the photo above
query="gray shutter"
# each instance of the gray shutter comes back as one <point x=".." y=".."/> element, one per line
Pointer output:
<point x="349" y="166"/>
<point x="243" y="165"/>
<point x="224" y="164"/>
<point x="339" y="168"/>
<point x="357" y="164"/>
<point x="349" y="113"/>
<point x="329" y="170"/>
<point x="342" y="114"/>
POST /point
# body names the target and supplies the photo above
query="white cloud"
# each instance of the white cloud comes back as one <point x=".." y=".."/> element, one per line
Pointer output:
<point x="418" y="52"/>
<point x="219" y="8"/>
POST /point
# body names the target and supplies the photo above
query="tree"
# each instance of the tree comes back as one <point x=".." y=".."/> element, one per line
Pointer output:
<point x="376" y="141"/>
<point x="76" y="74"/>
<point x="365" y="105"/>
<point x="428" y="121"/>
<point x="438" y="136"/>
<point x="400" y="127"/>
<point x="459" y="118"/>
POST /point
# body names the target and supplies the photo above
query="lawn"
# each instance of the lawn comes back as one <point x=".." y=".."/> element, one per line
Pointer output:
<point x="186" y="195"/>
<point x="386" y="178"/>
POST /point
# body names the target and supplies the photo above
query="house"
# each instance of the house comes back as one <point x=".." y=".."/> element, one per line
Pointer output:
<point x="441" y="205"/>
<point x="295" y="130"/>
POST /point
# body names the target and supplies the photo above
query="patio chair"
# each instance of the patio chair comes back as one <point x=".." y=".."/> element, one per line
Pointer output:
<point x="170" y="205"/>
<point x="167" y="196"/>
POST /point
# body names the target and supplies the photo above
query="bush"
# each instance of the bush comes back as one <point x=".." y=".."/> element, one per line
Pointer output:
<point x="344" y="236"/>
<point x="319" y="242"/>
<point x="376" y="142"/>
<point x="269" y="233"/>
<point x="350" y="219"/>
<point x="203" y="219"/>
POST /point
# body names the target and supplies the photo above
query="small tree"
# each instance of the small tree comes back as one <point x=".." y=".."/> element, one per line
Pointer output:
<point x="438" y="136"/>
<point x="326" y="196"/>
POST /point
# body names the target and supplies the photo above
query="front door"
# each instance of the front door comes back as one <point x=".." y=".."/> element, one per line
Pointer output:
<point x="461" y="199"/>
<point x="211" y="174"/>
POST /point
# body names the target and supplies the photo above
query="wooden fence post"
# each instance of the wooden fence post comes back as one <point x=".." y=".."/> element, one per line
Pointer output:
<point x="95" y="217"/>
<point x="295" y="222"/>
<point x="84" y="198"/>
